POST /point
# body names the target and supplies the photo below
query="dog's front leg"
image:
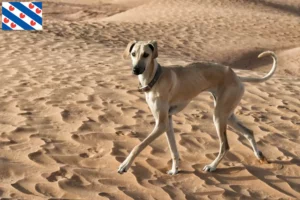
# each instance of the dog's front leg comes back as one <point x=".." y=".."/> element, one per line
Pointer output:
<point x="173" y="148"/>
<point x="160" y="127"/>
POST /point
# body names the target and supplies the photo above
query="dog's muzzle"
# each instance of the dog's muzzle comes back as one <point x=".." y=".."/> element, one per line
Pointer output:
<point x="137" y="70"/>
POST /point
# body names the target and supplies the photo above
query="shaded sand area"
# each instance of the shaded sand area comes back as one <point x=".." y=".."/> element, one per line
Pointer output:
<point x="69" y="112"/>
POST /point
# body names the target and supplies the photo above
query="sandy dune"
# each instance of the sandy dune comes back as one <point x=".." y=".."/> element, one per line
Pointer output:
<point x="69" y="112"/>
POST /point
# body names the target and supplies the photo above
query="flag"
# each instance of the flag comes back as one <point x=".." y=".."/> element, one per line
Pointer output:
<point x="22" y="16"/>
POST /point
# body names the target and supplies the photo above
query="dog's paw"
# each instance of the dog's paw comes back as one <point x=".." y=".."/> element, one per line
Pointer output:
<point x="209" y="168"/>
<point x="262" y="159"/>
<point x="123" y="168"/>
<point x="172" y="172"/>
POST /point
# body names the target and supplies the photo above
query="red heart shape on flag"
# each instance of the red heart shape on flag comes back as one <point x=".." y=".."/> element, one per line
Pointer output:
<point x="38" y="11"/>
<point x="13" y="25"/>
<point x="6" y="20"/>
<point x="11" y="8"/>
<point x="32" y="23"/>
<point x="22" y="15"/>
<point x="31" y="6"/>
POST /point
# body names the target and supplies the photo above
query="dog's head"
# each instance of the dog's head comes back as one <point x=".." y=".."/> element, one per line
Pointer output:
<point x="142" y="54"/>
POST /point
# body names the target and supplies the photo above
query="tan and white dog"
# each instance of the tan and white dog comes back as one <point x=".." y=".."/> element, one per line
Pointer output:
<point x="168" y="90"/>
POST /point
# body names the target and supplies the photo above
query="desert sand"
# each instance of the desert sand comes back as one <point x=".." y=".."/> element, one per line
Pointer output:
<point x="70" y="112"/>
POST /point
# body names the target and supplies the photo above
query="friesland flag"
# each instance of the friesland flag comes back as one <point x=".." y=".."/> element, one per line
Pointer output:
<point x="22" y="16"/>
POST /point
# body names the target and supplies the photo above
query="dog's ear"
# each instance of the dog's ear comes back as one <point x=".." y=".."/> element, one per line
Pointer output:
<point x="128" y="49"/>
<point x="153" y="45"/>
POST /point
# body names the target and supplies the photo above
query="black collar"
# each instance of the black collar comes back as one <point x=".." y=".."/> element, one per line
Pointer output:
<point x="148" y="87"/>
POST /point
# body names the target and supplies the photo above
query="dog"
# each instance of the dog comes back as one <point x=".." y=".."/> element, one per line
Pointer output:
<point x="168" y="90"/>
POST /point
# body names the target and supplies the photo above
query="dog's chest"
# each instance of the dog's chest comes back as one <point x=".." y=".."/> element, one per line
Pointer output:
<point x="152" y="101"/>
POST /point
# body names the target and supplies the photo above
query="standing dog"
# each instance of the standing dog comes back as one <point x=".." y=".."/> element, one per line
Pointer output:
<point x="169" y="89"/>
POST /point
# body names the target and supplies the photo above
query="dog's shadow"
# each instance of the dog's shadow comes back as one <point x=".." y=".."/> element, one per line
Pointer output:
<point x="269" y="176"/>
<point x="225" y="170"/>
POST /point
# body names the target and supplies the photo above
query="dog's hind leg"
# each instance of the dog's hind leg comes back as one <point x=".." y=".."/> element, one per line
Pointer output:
<point x="224" y="102"/>
<point x="220" y="124"/>
<point x="173" y="148"/>
<point x="248" y="134"/>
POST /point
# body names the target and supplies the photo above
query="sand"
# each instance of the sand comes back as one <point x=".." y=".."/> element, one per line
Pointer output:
<point x="69" y="112"/>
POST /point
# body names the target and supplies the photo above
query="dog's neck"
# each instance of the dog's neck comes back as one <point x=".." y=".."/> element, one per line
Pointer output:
<point x="149" y="73"/>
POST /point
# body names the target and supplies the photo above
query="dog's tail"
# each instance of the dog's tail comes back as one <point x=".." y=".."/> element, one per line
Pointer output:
<point x="269" y="75"/>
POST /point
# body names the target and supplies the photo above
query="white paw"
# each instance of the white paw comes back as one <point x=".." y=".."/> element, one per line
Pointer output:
<point x="172" y="172"/>
<point x="209" y="168"/>
<point x="123" y="167"/>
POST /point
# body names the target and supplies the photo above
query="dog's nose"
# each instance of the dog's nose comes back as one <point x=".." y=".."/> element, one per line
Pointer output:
<point x="136" y="71"/>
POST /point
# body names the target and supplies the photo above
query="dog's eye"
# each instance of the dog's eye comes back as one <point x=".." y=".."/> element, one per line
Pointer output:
<point x="133" y="54"/>
<point x="145" y="55"/>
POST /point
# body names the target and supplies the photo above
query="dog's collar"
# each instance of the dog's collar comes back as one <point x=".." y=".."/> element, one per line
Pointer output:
<point x="148" y="87"/>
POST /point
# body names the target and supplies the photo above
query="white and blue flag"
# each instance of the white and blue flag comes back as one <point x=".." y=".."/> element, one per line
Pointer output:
<point x="22" y="16"/>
